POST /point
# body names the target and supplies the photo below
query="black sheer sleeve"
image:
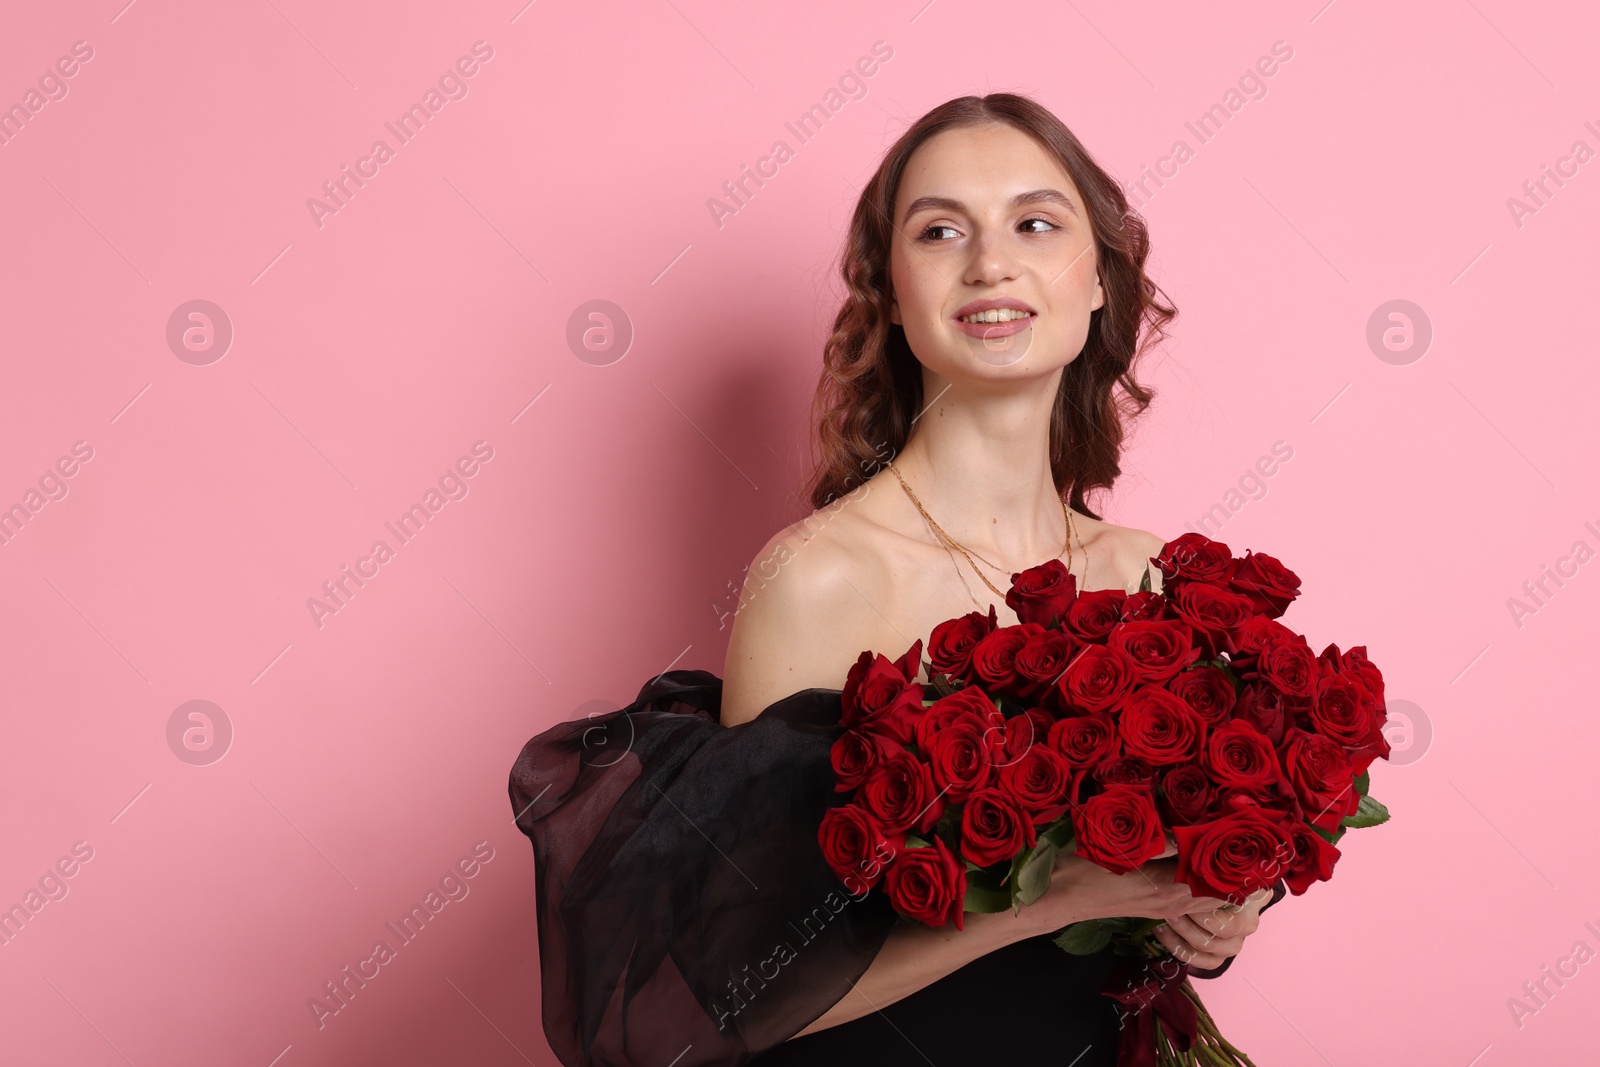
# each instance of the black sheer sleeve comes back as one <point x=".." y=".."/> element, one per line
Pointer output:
<point x="685" y="913"/>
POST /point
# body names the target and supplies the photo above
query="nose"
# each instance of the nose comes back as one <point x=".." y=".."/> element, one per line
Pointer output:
<point x="993" y="258"/>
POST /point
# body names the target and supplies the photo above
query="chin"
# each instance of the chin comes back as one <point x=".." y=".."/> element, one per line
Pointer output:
<point x="961" y="360"/>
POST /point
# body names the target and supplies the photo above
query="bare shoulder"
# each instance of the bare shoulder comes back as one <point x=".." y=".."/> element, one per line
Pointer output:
<point x="801" y="593"/>
<point x="1124" y="553"/>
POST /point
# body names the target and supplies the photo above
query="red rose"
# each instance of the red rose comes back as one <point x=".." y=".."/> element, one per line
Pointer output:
<point x="1263" y="707"/>
<point x="1270" y="585"/>
<point x="994" y="660"/>
<point x="1094" y="613"/>
<point x="951" y="644"/>
<point x="1208" y="690"/>
<point x="994" y="828"/>
<point x="1024" y="731"/>
<point x="1042" y="594"/>
<point x="1186" y="794"/>
<point x="1119" y="828"/>
<point x="1355" y="662"/>
<point x="970" y="700"/>
<point x="1314" y="857"/>
<point x="1256" y="633"/>
<point x="880" y="698"/>
<point x="856" y="847"/>
<point x="900" y="795"/>
<point x="1159" y="648"/>
<point x="1240" y="756"/>
<point x="1278" y="805"/>
<point x="1039" y="781"/>
<point x="1125" y="770"/>
<point x="1320" y="773"/>
<point x="856" y="754"/>
<point x="1290" y="666"/>
<point x="1085" y="740"/>
<point x="1040" y="662"/>
<point x="960" y="757"/>
<point x="1353" y="666"/>
<point x="1361" y="758"/>
<point x="1096" y="680"/>
<point x="1231" y="857"/>
<point x="1344" y="712"/>
<point x="1143" y="606"/>
<point x="928" y="884"/>
<point x="1213" y="610"/>
<point x="1193" y="557"/>
<point x="1160" y="727"/>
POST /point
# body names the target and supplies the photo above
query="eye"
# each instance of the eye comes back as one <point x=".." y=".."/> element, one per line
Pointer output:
<point x="1042" y="222"/>
<point x="923" y="236"/>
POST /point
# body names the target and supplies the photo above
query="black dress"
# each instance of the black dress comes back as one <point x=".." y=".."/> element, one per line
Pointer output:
<point x="686" y="915"/>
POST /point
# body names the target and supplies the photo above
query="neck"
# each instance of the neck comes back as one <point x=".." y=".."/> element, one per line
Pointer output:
<point x="979" y="460"/>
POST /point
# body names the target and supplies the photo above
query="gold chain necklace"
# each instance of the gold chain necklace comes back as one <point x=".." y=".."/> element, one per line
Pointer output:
<point x="959" y="547"/>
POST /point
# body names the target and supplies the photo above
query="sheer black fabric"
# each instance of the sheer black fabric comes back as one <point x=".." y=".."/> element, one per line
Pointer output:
<point x="686" y="916"/>
<point x="684" y="907"/>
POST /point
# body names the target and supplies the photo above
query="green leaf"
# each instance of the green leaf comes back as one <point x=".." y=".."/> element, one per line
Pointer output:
<point x="1144" y="583"/>
<point x="1059" y="833"/>
<point x="1363" y="782"/>
<point x="987" y="877"/>
<point x="1233" y="675"/>
<point x="1033" y="877"/>
<point x="1370" y="813"/>
<point x="984" y="899"/>
<point x="1085" y="938"/>
<point x="913" y="841"/>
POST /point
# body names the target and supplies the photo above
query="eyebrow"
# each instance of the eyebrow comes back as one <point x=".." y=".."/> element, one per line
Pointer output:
<point x="1036" y="196"/>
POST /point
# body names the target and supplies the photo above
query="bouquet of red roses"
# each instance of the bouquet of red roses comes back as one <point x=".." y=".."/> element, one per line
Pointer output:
<point x="1110" y="725"/>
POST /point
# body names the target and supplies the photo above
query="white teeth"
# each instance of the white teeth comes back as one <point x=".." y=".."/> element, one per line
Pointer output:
<point x="995" y="315"/>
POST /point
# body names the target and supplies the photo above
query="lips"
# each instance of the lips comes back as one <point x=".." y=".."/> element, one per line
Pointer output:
<point x="989" y="331"/>
<point x="994" y="303"/>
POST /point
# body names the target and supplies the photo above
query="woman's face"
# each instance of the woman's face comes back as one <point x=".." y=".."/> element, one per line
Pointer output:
<point x="987" y="221"/>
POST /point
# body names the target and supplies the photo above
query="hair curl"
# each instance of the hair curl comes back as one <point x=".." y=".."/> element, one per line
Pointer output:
<point x="870" y="388"/>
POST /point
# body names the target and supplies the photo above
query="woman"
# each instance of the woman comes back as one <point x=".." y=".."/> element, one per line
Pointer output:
<point x="973" y="393"/>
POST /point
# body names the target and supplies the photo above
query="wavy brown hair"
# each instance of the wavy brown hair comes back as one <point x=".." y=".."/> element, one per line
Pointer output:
<point x="870" y="388"/>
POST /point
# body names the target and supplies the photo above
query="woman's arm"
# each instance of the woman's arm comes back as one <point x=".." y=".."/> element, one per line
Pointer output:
<point x="915" y="956"/>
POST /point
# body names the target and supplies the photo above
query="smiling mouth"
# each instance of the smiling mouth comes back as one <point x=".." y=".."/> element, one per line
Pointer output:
<point x="995" y="315"/>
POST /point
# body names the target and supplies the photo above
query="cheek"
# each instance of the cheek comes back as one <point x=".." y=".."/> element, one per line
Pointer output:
<point x="914" y="288"/>
<point x="919" y="292"/>
<point x="1075" y="278"/>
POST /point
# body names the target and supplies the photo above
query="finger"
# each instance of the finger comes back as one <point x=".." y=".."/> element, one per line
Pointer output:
<point x="1215" y="923"/>
<point x="1251" y="905"/>
<point x="1204" y="905"/>
<point x="1204" y="940"/>
<point x="1227" y="923"/>
<point x="1184" y="952"/>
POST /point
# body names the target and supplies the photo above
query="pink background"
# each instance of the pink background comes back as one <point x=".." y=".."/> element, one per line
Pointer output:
<point x="596" y="547"/>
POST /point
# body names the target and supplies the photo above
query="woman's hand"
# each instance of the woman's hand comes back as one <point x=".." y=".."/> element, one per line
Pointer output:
<point x="1080" y="889"/>
<point x="1206" y="939"/>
